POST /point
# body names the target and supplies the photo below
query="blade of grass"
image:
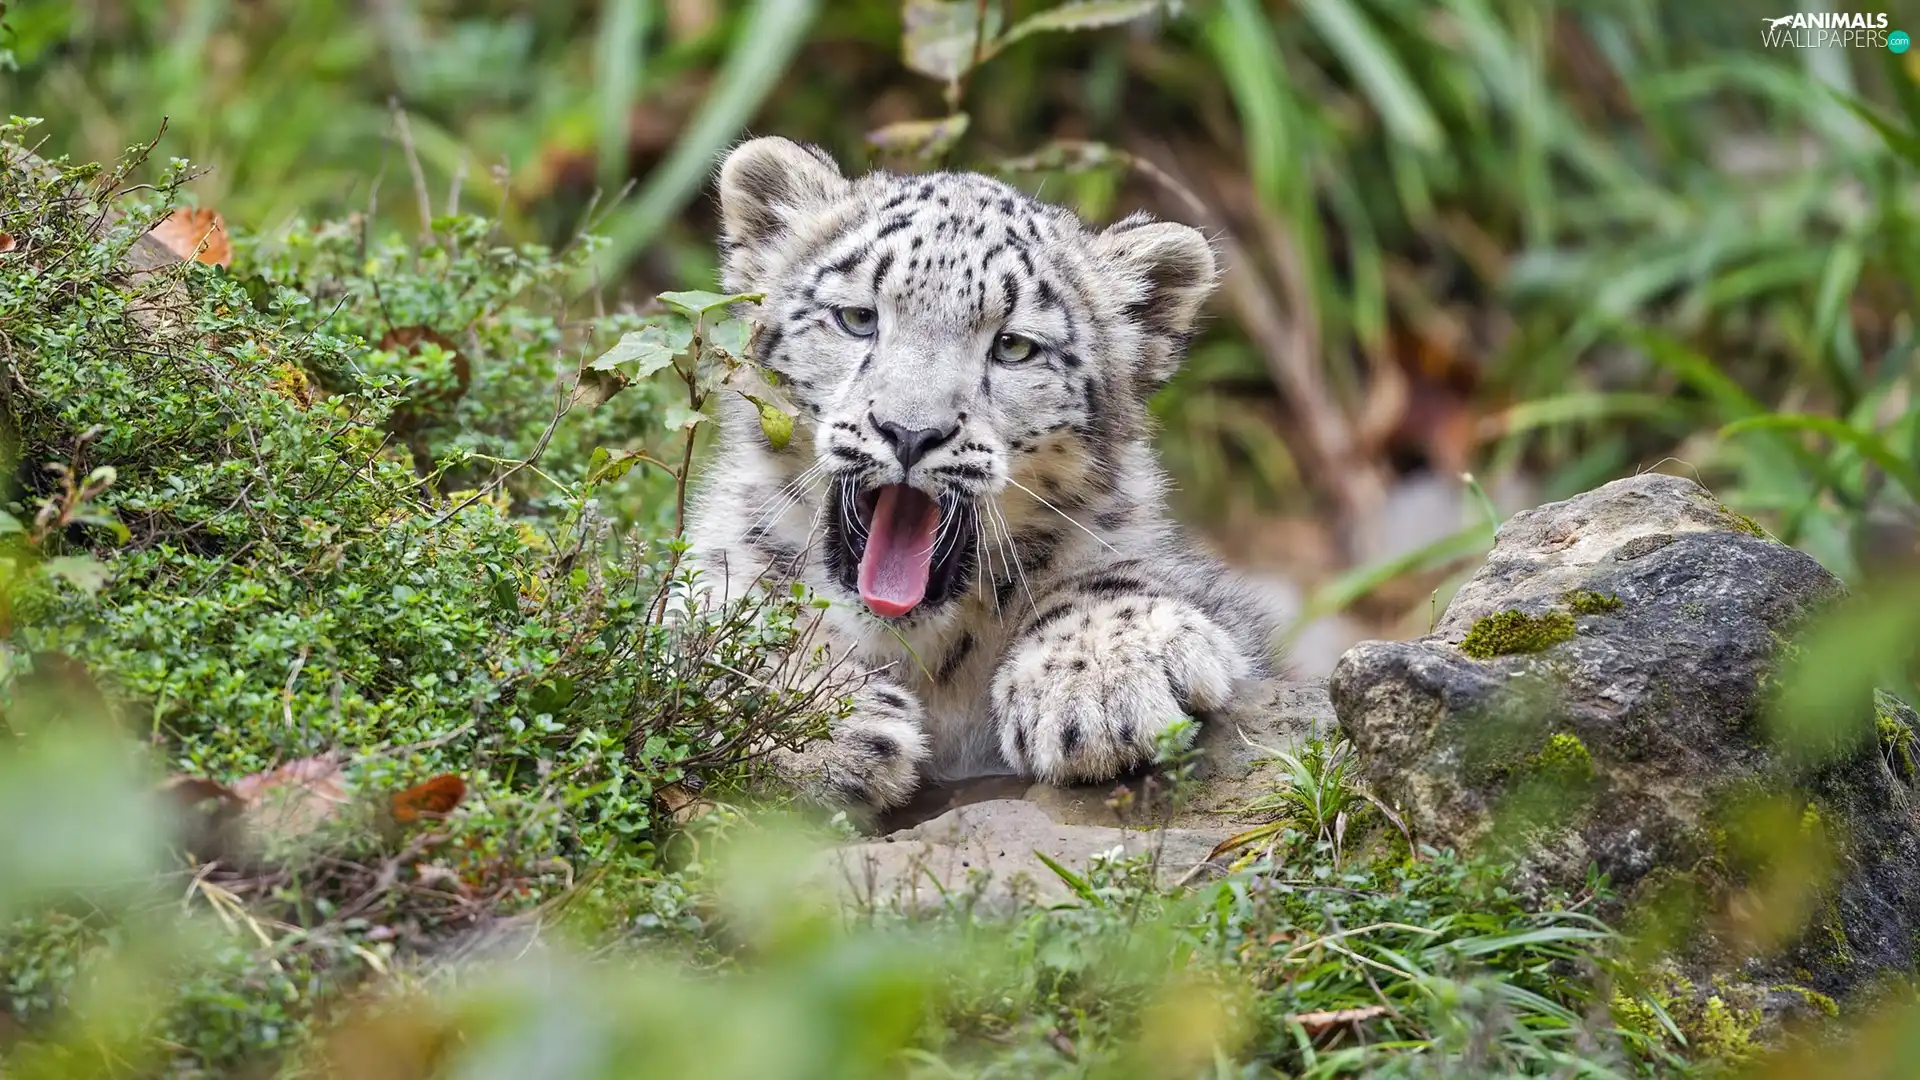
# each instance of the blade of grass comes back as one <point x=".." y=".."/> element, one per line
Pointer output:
<point x="1343" y="591"/>
<point x="1074" y="881"/>
<point x="619" y="65"/>
<point x="769" y="35"/>
<point x="1869" y="444"/>
<point x="1360" y="47"/>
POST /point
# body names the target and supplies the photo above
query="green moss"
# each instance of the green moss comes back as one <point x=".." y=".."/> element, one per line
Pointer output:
<point x="1815" y="1000"/>
<point x="1637" y="1015"/>
<point x="1835" y="950"/>
<point x="1719" y="1024"/>
<point x="1745" y="524"/>
<point x="1810" y="820"/>
<point x="1588" y="602"/>
<point x="1507" y="632"/>
<point x="1723" y="1031"/>
<point x="1565" y="758"/>
<point x="1897" y="737"/>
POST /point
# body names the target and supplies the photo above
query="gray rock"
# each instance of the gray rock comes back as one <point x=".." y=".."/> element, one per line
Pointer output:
<point x="977" y="838"/>
<point x="1634" y="741"/>
<point x="983" y="853"/>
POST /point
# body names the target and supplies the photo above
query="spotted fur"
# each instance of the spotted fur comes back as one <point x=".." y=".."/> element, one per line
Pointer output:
<point x="1073" y="621"/>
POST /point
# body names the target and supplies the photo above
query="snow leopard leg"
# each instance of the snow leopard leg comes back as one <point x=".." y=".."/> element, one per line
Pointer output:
<point x="1095" y="678"/>
<point x="871" y="759"/>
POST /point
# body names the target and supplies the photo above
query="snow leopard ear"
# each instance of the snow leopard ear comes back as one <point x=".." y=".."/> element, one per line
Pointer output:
<point x="1168" y="271"/>
<point x="769" y="183"/>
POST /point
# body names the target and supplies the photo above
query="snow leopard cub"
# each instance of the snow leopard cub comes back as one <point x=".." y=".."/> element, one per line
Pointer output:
<point x="971" y="480"/>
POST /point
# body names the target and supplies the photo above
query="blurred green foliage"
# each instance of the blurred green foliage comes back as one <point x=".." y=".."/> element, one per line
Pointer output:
<point x="339" y="499"/>
<point x="1571" y="239"/>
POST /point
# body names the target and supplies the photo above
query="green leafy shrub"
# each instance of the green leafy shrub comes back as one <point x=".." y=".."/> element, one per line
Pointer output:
<point x="254" y="547"/>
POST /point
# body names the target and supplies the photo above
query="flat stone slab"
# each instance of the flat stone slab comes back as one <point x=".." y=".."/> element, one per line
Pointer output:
<point x="984" y="853"/>
<point x="976" y="839"/>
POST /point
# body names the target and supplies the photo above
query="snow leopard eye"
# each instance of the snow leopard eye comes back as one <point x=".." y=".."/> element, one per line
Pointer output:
<point x="1012" y="348"/>
<point x="858" y="321"/>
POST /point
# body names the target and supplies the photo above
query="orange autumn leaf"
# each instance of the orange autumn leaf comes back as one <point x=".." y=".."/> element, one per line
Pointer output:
<point x="433" y="797"/>
<point x="196" y="234"/>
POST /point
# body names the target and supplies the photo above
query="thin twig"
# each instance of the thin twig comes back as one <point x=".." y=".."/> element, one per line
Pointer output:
<point x="561" y="407"/>
<point x="405" y="133"/>
<point x="286" y="692"/>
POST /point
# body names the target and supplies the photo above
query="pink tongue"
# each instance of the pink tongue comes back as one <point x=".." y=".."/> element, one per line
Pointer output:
<point x="899" y="555"/>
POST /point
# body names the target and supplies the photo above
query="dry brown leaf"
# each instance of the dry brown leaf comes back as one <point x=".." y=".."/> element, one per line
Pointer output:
<point x="196" y="234"/>
<point x="192" y="791"/>
<point x="681" y="804"/>
<point x="596" y="388"/>
<point x="221" y="822"/>
<point x="431" y="798"/>
<point x="294" y="799"/>
<point x="208" y="812"/>
<point x="1317" y="1022"/>
<point x="436" y="876"/>
<point x="7" y="242"/>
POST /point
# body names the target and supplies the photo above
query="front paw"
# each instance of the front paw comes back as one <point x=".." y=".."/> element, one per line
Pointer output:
<point x="870" y="761"/>
<point x="1085" y="697"/>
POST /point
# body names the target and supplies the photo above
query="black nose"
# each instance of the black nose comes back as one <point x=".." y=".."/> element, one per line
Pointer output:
<point x="911" y="446"/>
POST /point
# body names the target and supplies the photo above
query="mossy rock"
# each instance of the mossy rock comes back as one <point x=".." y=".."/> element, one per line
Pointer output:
<point x="1506" y="633"/>
<point x="1603" y="678"/>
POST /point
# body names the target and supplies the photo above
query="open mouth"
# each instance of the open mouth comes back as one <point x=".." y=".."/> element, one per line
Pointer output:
<point x="901" y="549"/>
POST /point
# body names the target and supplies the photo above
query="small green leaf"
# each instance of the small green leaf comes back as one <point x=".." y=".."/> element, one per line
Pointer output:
<point x="604" y="467"/>
<point x="731" y="337"/>
<point x="1080" y="15"/>
<point x="83" y="572"/>
<point x="551" y="697"/>
<point x="939" y="37"/>
<point x="775" y="423"/>
<point x="506" y="594"/>
<point x="922" y="138"/>
<point x="697" y="303"/>
<point x="649" y="348"/>
<point x="10" y="524"/>
<point x="100" y="519"/>
<point x="681" y="418"/>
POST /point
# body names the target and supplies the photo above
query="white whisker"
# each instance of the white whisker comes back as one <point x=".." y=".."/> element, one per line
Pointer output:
<point x="945" y="547"/>
<point x="1064" y="515"/>
<point x="981" y="571"/>
<point x="1018" y="567"/>
<point x="849" y="520"/>
<point x="790" y="493"/>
